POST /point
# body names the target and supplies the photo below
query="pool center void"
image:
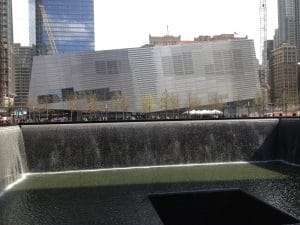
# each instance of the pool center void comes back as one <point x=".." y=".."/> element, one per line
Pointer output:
<point x="151" y="172"/>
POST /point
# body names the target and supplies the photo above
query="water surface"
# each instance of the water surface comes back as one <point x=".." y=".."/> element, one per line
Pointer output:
<point x="120" y="196"/>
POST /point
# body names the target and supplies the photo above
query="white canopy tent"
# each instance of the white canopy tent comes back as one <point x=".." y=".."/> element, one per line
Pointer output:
<point x="204" y="112"/>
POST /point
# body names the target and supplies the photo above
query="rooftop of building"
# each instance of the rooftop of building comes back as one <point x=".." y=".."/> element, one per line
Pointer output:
<point x="176" y="40"/>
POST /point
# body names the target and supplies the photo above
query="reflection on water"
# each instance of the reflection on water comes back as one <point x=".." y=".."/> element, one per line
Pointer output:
<point x="121" y="196"/>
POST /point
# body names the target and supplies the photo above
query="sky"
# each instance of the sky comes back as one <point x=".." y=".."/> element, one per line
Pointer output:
<point x="126" y="24"/>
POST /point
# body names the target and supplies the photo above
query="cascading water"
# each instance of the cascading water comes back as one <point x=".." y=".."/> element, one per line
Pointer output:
<point x="12" y="152"/>
<point x="108" y="145"/>
<point x="149" y="154"/>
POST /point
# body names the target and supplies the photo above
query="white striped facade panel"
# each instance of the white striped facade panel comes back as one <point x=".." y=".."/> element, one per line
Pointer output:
<point x="224" y="68"/>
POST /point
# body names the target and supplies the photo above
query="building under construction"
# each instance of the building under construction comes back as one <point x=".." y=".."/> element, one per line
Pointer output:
<point x="7" y="90"/>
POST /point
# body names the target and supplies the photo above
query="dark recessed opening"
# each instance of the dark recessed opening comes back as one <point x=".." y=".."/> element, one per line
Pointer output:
<point x="220" y="207"/>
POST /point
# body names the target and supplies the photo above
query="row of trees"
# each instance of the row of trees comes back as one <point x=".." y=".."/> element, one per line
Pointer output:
<point x="287" y="102"/>
<point x="168" y="102"/>
<point x="120" y="103"/>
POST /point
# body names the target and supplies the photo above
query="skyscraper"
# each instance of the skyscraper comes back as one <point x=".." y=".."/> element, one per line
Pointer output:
<point x="7" y="90"/>
<point x="22" y="63"/>
<point x="284" y="82"/>
<point x="65" y="25"/>
<point x="286" y="21"/>
<point x="289" y="23"/>
<point x="297" y="26"/>
<point x="285" y="57"/>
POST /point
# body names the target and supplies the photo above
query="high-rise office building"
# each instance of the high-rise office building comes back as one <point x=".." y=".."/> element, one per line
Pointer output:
<point x="289" y="23"/>
<point x="7" y="90"/>
<point x="285" y="56"/>
<point x="297" y="26"/>
<point x="62" y="26"/>
<point x="276" y="39"/>
<point x="286" y="21"/>
<point x="285" y="77"/>
<point x="22" y="64"/>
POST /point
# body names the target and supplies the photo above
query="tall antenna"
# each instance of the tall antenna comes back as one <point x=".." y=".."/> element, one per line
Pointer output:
<point x="167" y="30"/>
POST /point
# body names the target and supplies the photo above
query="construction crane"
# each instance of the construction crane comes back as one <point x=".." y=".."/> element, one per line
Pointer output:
<point x="264" y="53"/>
<point x="263" y="30"/>
<point x="48" y="28"/>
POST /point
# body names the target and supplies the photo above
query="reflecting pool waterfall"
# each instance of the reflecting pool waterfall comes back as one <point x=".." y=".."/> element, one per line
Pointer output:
<point x="107" y="145"/>
<point x="61" y="147"/>
<point x="12" y="156"/>
<point x="105" y="173"/>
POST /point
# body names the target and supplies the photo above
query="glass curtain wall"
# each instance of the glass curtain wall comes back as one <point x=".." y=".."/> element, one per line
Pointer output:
<point x="68" y="24"/>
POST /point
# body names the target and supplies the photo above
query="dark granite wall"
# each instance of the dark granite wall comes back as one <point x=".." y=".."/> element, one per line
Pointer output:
<point x="288" y="142"/>
<point x="106" y="145"/>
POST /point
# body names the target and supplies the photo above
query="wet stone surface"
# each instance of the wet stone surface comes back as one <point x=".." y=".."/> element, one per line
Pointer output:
<point x="122" y="196"/>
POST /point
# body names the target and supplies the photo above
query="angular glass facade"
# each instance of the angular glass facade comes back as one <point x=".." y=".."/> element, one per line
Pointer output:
<point x="69" y="23"/>
<point x="224" y="69"/>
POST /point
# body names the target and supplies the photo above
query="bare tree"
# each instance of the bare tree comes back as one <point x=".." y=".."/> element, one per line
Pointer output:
<point x="124" y="105"/>
<point x="148" y="104"/>
<point x="238" y="105"/>
<point x="259" y="103"/>
<point x="32" y="107"/>
<point x="10" y="106"/>
<point x="166" y="102"/>
<point x="73" y="104"/>
<point x="44" y="105"/>
<point x="116" y="99"/>
<point x="289" y="101"/>
<point x="218" y="102"/>
<point x="93" y="102"/>
<point x="193" y="101"/>
<point x="120" y="102"/>
<point x="174" y="104"/>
